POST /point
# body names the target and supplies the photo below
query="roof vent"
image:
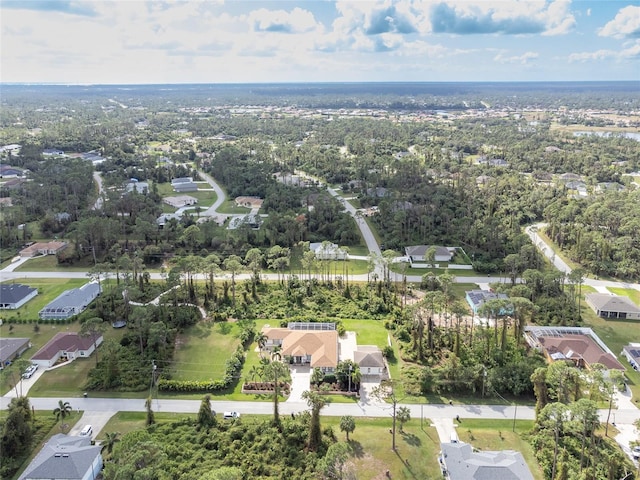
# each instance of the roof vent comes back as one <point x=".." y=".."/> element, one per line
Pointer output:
<point x="57" y="455"/>
<point x="66" y="455"/>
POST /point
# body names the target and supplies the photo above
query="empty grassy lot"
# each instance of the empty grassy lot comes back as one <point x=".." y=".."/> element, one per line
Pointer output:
<point x="49" y="263"/>
<point x="202" y="350"/>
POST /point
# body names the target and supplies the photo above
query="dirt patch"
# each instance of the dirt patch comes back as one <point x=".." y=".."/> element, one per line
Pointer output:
<point x="372" y="465"/>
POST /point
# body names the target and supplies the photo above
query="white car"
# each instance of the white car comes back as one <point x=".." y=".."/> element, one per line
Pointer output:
<point x="30" y="371"/>
<point x="230" y="415"/>
<point x="635" y="452"/>
<point x="87" y="430"/>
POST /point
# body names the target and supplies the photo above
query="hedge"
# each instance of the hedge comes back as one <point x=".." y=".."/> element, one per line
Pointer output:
<point x="232" y="372"/>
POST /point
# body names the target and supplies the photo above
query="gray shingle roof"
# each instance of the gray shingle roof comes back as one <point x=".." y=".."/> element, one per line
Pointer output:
<point x="9" y="347"/>
<point x="14" y="292"/>
<point x="463" y="463"/>
<point x="63" y="457"/>
<point x="612" y="303"/>
<point x="75" y="298"/>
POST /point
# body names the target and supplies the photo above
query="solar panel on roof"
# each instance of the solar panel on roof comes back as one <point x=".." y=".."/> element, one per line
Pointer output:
<point x="634" y="352"/>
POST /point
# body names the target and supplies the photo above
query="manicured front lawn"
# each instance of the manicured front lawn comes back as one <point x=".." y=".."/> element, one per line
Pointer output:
<point x="495" y="435"/>
<point x="64" y="382"/>
<point x="632" y="293"/>
<point x="202" y="350"/>
<point x="49" y="263"/>
<point x="48" y="290"/>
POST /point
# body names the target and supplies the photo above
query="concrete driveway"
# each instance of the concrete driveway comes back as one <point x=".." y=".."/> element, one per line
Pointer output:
<point x="97" y="420"/>
<point x="300" y="382"/>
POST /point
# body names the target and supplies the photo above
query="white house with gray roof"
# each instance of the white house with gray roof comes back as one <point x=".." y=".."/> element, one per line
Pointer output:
<point x="461" y="462"/>
<point x="418" y="253"/>
<point x="613" y="306"/>
<point x="65" y="457"/>
<point x="71" y="302"/>
<point x="14" y="295"/>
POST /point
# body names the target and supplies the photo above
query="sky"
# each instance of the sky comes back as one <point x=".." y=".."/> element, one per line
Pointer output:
<point x="254" y="41"/>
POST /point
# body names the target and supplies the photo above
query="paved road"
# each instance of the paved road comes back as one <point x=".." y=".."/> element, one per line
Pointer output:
<point x="561" y="265"/>
<point x="370" y="409"/>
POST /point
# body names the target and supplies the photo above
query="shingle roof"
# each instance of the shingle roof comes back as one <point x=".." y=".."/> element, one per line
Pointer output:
<point x="63" y="457"/>
<point x="321" y="345"/>
<point x="9" y="347"/>
<point x="480" y="296"/>
<point x="63" y="341"/>
<point x="14" y="292"/>
<point x="366" y="357"/>
<point x="579" y="347"/>
<point x="464" y="464"/>
<point x="612" y="303"/>
<point x="77" y="297"/>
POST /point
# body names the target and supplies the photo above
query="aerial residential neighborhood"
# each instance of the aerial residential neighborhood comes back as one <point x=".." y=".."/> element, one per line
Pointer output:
<point x="319" y="240"/>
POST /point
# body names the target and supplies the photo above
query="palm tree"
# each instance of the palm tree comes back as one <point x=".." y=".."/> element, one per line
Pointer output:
<point x="110" y="440"/>
<point x="62" y="411"/>
<point x="276" y="372"/>
<point x="261" y="339"/>
<point x="316" y="402"/>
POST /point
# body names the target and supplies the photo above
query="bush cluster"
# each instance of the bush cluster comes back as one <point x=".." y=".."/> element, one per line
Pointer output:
<point x="232" y="373"/>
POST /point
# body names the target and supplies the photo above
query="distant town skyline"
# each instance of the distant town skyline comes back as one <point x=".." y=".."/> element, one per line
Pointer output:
<point x="153" y="42"/>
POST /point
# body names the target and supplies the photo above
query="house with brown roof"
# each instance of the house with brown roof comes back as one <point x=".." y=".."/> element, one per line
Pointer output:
<point x="579" y="345"/>
<point x="65" y="345"/>
<point x="317" y="348"/>
<point x="43" y="248"/>
<point x="613" y="306"/>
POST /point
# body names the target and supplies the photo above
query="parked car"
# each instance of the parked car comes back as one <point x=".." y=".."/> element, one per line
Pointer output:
<point x="230" y="415"/>
<point x="87" y="430"/>
<point x="635" y="452"/>
<point x="28" y="373"/>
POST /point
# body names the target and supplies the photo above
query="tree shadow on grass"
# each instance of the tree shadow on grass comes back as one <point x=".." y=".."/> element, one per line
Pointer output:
<point x="201" y="330"/>
<point x="224" y="328"/>
<point x="356" y="449"/>
<point x="411" y="439"/>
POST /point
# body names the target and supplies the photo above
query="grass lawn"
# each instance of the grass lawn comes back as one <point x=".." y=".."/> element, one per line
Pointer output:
<point x="203" y="349"/>
<point x="497" y="435"/>
<point x="416" y="455"/>
<point x="368" y="332"/>
<point x="48" y="289"/>
<point x="49" y="263"/>
<point x="230" y="206"/>
<point x="631" y="293"/>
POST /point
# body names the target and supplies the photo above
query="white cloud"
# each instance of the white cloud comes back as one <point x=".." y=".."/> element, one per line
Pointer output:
<point x="523" y="59"/>
<point x="631" y="52"/>
<point x="626" y="24"/>
<point x="280" y="21"/>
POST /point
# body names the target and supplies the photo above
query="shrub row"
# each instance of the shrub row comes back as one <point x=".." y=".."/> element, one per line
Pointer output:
<point x="232" y="373"/>
<point x="24" y="321"/>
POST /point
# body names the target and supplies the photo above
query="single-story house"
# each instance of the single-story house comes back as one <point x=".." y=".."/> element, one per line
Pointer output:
<point x="138" y="187"/>
<point x="328" y="251"/>
<point x="613" y="306"/>
<point x="317" y="348"/>
<point x="43" y="248"/>
<point x="184" y="184"/>
<point x="180" y="201"/>
<point x="12" y="348"/>
<point x="632" y="352"/>
<point x="12" y="148"/>
<point x="477" y="298"/>
<point x="163" y="219"/>
<point x="578" y="345"/>
<point x="370" y="360"/>
<point x="49" y="152"/>
<point x="65" y="457"/>
<point x="14" y="295"/>
<point x="461" y="462"/>
<point x="67" y="345"/>
<point x="71" y="302"/>
<point x="7" y="171"/>
<point x="418" y="253"/>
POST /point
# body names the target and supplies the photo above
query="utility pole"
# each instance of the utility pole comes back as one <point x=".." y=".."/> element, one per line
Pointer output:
<point x="350" y="367"/>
